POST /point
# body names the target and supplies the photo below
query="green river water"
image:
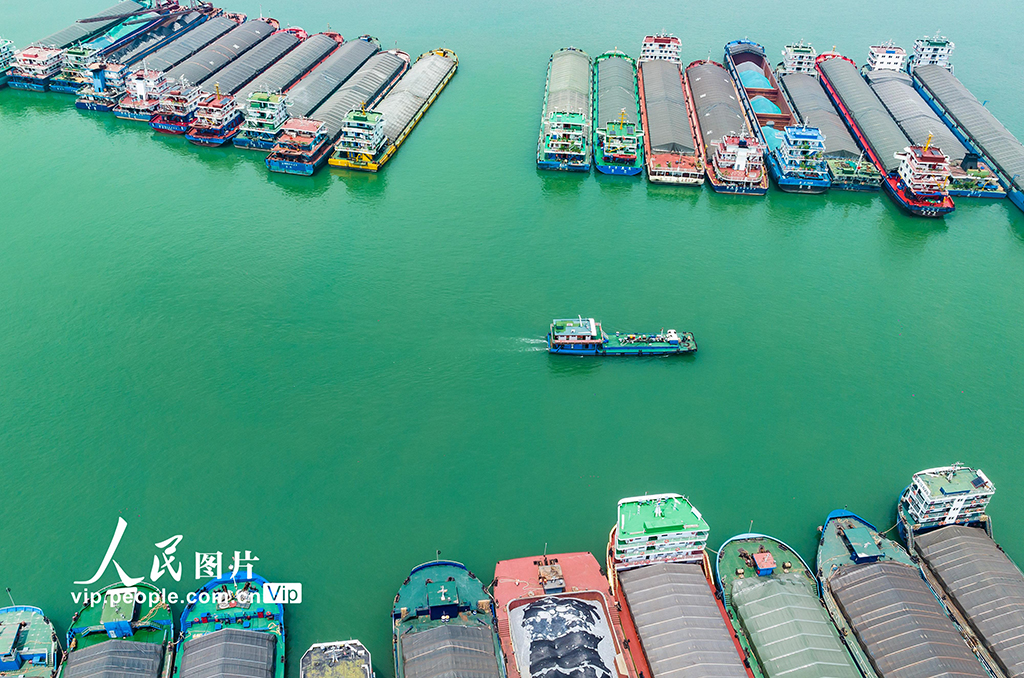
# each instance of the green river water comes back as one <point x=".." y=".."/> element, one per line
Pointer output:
<point x="345" y="373"/>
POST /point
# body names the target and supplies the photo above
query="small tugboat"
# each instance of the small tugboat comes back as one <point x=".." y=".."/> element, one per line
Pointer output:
<point x="217" y="119"/>
<point x="6" y="60"/>
<point x="28" y="643"/>
<point x="864" y="578"/>
<point x="769" y="115"/>
<point x="941" y="516"/>
<point x="145" y="87"/>
<point x="661" y="580"/>
<point x="772" y="599"/>
<point x="341" y="659"/>
<point x="584" y="336"/>
<point x="228" y="626"/>
<point x="302" y="147"/>
<point x="670" y="146"/>
<point x="131" y="624"/>
<point x="177" y="109"/>
<point x="443" y="617"/>
<point x="106" y="90"/>
<point x="617" y="132"/>
<point x="565" y="126"/>
<point x="556" y="618"/>
<point x="34" y="67"/>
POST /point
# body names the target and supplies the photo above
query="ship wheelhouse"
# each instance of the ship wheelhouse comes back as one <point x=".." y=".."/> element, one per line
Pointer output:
<point x="802" y="151"/>
<point x="577" y="333"/>
<point x="739" y="160"/>
<point x="924" y="172"/>
<point x="362" y="136"/>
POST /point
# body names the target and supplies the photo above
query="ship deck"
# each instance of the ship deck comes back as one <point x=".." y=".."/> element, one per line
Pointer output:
<point x="984" y="584"/>
<point x="38" y="641"/>
<point x="345" y="659"/>
<point x="87" y="625"/>
<point x="788" y="629"/>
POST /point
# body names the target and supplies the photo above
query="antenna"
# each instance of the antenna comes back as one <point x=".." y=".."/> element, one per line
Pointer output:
<point x="10" y="596"/>
<point x="438" y="555"/>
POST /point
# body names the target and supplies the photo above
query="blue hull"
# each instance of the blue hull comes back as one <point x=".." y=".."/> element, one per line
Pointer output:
<point x="252" y="144"/>
<point x="133" y="115"/>
<point x="917" y="211"/>
<point x="637" y="351"/>
<point x="564" y="167"/>
<point x="65" y="87"/>
<point x="302" y="169"/>
<point x="618" y="170"/>
<point x="860" y="188"/>
<point x="791" y="184"/>
<point x="169" y="127"/>
<point x="737" y="190"/>
<point x="28" y="84"/>
<point x="94" y="106"/>
<point x="977" y="194"/>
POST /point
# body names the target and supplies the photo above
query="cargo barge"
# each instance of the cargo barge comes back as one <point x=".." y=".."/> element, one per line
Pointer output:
<point x="265" y="108"/>
<point x="132" y="626"/>
<point x="772" y="599"/>
<point x="670" y="145"/>
<point x="192" y="42"/>
<point x="340" y="659"/>
<point x="673" y="623"/>
<point x="942" y="518"/>
<point x="28" y="643"/>
<point x="794" y="156"/>
<point x="555" y="617"/>
<point x="209" y="61"/>
<point x="565" y="124"/>
<point x="166" y="30"/>
<point x="915" y="177"/>
<point x="303" y="97"/>
<point x="443" y="617"/>
<point x="240" y="72"/>
<point x="847" y="168"/>
<point x="369" y="138"/>
<point x="74" y="74"/>
<point x="584" y="336"/>
<point x="229" y="629"/>
<point x="84" y="30"/>
<point x="969" y="177"/>
<point x="864" y="577"/>
<point x="732" y="157"/>
<point x="975" y="126"/>
<point x="305" y="144"/>
<point x="617" y="132"/>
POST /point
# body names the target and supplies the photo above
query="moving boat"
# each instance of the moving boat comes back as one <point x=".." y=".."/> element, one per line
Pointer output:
<point x="792" y="150"/>
<point x="443" y="624"/>
<point x="341" y="659"/>
<point x="556" y="617"/>
<point x="131" y="626"/>
<point x="670" y="144"/>
<point x="915" y="177"/>
<point x="772" y="599"/>
<point x="228" y="626"/>
<point x="732" y="156"/>
<point x="941" y="516"/>
<point x="565" y="124"/>
<point x="584" y="336"/>
<point x="617" y="132"/>
<point x="875" y="593"/>
<point x="368" y="139"/>
<point x="28" y="644"/>
<point x="660" y="576"/>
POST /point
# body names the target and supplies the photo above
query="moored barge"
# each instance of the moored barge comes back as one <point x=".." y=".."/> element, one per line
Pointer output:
<point x="975" y="126"/>
<point x="107" y="88"/>
<point x="670" y="145"/>
<point x="265" y="109"/>
<point x="6" y="60"/>
<point x="209" y="61"/>
<point x="240" y="72"/>
<point x="617" y="131"/>
<point x="584" y="336"/>
<point x="772" y="599"/>
<point x="229" y="626"/>
<point x="28" y="644"/>
<point x="177" y="109"/>
<point x="339" y="659"/>
<point x="565" y="124"/>
<point x="85" y="29"/>
<point x="941" y="516"/>
<point x="34" y="67"/>
<point x="368" y="139"/>
<point x="217" y="119"/>
<point x="304" y="147"/>
<point x="192" y="42"/>
<point x="864" y="578"/>
<point x="443" y="617"/>
<point x="847" y="167"/>
<point x="172" y="24"/>
<point x="660" y="576"/>
<point x="555" y="616"/>
<point x="732" y="156"/>
<point x="915" y="177"/>
<point x="131" y="626"/>
<point x="794" y="156"/>
<point x="145" y="87"/>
